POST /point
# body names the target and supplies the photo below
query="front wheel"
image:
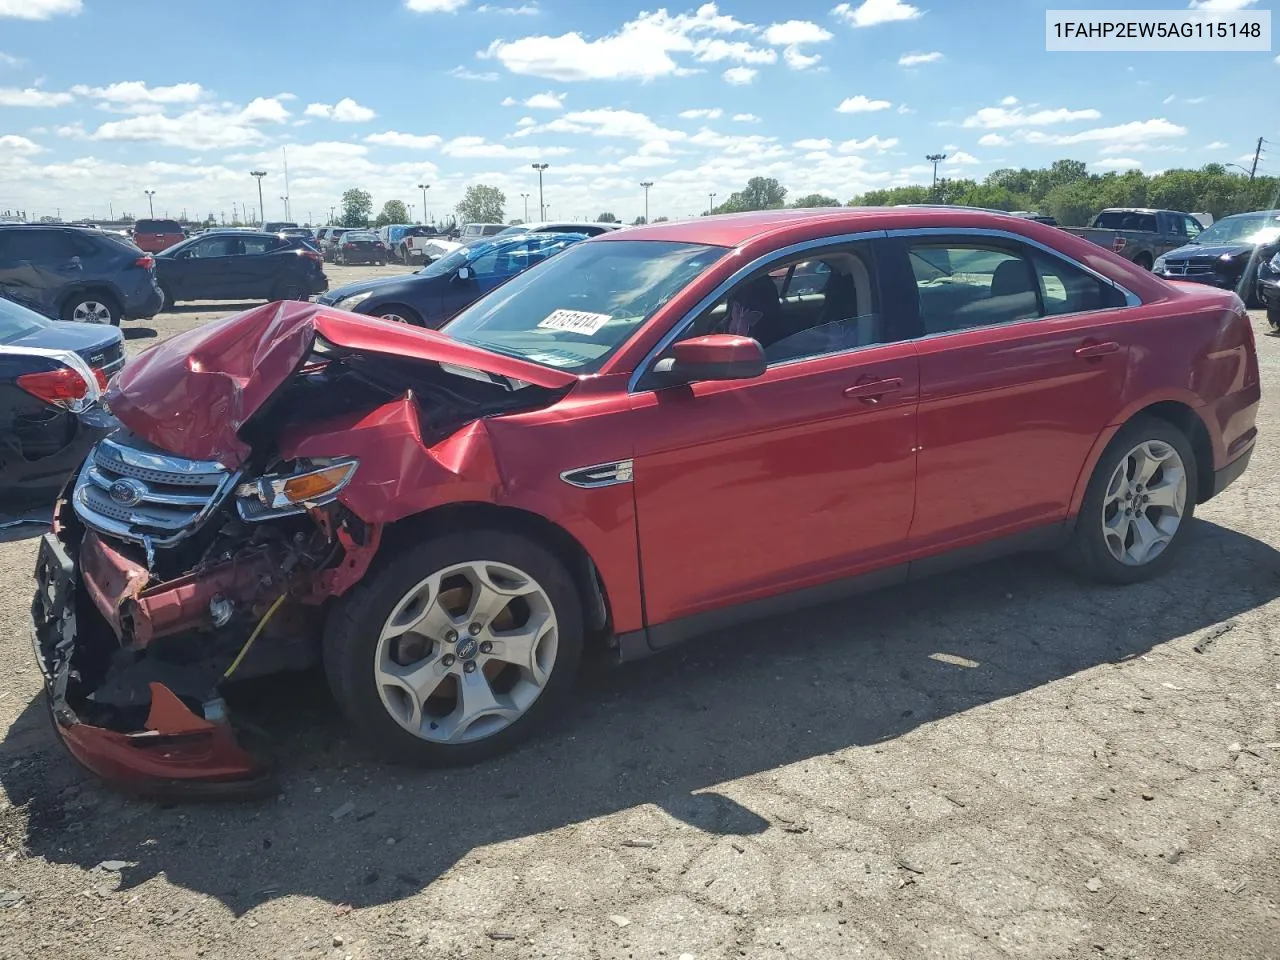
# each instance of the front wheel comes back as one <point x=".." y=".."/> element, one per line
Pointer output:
<point x="1138" y="505"/>
<point x="399" y="313"/>
<point x="456" y="649"/>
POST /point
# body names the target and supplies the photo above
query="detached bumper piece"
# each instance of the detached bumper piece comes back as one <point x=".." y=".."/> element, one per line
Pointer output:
<point x="175" y="752"/>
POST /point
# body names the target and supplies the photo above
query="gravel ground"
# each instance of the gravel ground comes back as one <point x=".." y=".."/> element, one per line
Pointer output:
<point x="1001" y="762"/>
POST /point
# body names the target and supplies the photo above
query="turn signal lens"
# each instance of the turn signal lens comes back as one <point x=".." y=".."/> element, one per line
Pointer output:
<point x="61" y="387"/>
<point x="312" y="486"/>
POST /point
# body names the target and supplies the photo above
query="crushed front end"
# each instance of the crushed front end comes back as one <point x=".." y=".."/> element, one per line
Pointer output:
<point x="165" y="576"/>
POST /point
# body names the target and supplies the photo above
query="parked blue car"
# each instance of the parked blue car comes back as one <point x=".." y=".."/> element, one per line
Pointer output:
<point x="441" y="289"/>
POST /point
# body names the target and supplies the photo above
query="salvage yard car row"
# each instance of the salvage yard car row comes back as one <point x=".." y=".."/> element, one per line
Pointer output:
<point x="449" y="521"/>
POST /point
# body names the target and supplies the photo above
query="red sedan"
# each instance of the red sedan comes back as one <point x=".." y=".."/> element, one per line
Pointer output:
<point x="660" y="431"/>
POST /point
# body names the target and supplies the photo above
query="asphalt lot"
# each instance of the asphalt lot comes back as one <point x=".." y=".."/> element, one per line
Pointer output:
<point x="999" y="762"/>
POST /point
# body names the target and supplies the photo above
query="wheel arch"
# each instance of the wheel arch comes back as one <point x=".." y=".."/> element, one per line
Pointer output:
<point x="455" y="517"/>
<point x="82" y="287"/>
<point x="1174" y="412"/>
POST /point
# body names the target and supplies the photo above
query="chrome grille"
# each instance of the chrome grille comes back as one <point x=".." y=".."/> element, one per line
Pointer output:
<point x="131" y="490"/>
<point x="1187" y="268"/>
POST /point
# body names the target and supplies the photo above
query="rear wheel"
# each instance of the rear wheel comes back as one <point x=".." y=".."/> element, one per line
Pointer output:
<point x="456" y="649"/>
<point x="1143" y="260"/>
<point x="1138" y="505"/>
<point x="1273" y="314"/>
<point x="92" y="306"/>
<point x="168" y="297"/>
<point x="288" y="291"/>
<point x="400" y="313"/>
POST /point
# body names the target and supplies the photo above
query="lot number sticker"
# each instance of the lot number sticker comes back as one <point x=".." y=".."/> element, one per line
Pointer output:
<point x="575" y="321"/>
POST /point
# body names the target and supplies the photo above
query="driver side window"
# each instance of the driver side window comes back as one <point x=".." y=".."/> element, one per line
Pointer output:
<point x="805" y="306"/>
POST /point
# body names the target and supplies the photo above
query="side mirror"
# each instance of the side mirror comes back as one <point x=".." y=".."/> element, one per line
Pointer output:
<point x="464" y="273"/>
<point x="718" y="356"/>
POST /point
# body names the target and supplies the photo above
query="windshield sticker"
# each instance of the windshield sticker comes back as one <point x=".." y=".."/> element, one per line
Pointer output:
<point x="575" y="321"/>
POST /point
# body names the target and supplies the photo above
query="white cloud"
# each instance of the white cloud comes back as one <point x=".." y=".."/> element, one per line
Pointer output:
<point x="608" y="122"/>
<point x="1117" y="163"/>
<point x="1013" y="101"/>
<point x="745" y="118"/>
<point x="462" y="73"/>
<point x="524" y="10"/>
<point x="1139" y="131"/>
<point x="739" y="76"/>
<point x="903" y="108"/>
<point x="31" y="97"/>
<point x="478" y="147"/>
<point x="39" y="9"/>
<point x="435" y="6"/>
<point x="795" y="32"/>
<point x="13" y="145"/>
<point x="702" y="113"/>
<point x="915" y="59"/>
<point x="962" y="158"/>
<point x="526" y="122"/>
<point x="641" y="49"/>
<point x="9" y="60"/>
<point x="870" y="143"/>
<point x="1217" y="145"/>
<point x="409" y="141"/>
<point x="797" y="60"/>
<point x="264" y="110"/>
<point x="996" y="118"/>
<point x="545" y="101"/>
<point x="345" y="110"/>
<point x="861" y="104"/>
<point x="812" y="144"/>
<point x="992" y="140"/>
<point x="869" y="13"/>
<point x="1221" y="5"/>
<point x="508" y="102"/>
<point x="756" y="146"/>
<point x="137" y="92"/>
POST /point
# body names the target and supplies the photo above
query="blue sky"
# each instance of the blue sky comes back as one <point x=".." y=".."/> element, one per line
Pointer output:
<point x="101" y="99"/>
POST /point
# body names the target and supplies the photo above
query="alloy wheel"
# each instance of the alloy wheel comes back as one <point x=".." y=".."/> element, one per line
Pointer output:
<point x="91" y="311"/>
<point x="466" y="652"/>
<point x="1145" y="502"/>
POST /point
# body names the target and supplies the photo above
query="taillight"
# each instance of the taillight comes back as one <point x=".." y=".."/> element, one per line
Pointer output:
<point x="61" y="387"/>
<point x="310" y="255"/>
<point x="146" y="263"/>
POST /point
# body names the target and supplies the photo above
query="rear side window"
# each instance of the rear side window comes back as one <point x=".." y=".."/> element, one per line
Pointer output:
<point x="1065" y="288"/>
<point x="254" y="245"/>
<point x="157" y="226"/>
<point x="43" y="246"/>
<point x="962" y="286"/>
<point x="1126" y="220"/>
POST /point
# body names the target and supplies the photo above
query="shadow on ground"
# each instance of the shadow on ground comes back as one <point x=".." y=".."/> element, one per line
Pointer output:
<point x="139" y="333"/>
<point x="662" y="732"/>
<point x="212" y="306"/>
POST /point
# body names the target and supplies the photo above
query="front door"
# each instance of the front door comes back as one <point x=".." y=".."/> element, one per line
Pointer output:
<point x="801" y="476"/>
<point x="1022" y="363"/>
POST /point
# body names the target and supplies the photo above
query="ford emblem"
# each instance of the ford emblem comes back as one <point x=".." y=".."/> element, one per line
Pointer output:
<point x="126" y="493"/>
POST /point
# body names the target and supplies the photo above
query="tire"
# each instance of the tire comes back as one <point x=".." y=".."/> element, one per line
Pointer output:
<point x="1143" y="260"/>
<point x="92" y="306"/>
<point x="168" y="297"/>
<point x="385" y="712"/>
<point x="1273" y="314"/>
<point x="404" y="254"/>
<point x="288" y="291"/>
<point x="1096" y="554"/>
<point x="399" y="312"/>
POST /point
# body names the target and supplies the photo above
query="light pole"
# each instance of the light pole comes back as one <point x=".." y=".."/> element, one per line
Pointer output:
<point x="151" y="203"/>
<point x="285" y="201"/>
<point x="330" y="223"/>
<point x="411" y="213"/>
<point x="258" y="175"/>
<point x="525" y="196"/>
<point x="646" y="184"/>
<point x="424" y="187"/>
<point x="935" y="159"/>
<point x="542" y="207"/>
<point x="1244" y="170"/>
<point x="712" y="208"/>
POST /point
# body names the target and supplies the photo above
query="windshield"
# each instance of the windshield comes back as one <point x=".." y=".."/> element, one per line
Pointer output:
<point x="513" y="231"/>
<point x="579" y="307"/>
<point x="17" y="322"/>
<point x="1251" y="228"/>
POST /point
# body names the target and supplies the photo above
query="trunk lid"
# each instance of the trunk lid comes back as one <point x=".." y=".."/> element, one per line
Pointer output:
<point x="192" y="394"/>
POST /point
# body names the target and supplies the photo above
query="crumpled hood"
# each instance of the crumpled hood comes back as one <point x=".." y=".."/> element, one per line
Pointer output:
<point x="192" y="394"/>
<point x="1187" y="251"/>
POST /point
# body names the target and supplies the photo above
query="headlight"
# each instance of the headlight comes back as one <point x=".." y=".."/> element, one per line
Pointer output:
<point x="349" y="303"/>
<point x="1158" y="266"/>
<point x="278" y="495"/>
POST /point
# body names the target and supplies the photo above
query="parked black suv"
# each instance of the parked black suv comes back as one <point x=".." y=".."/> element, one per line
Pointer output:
<point x="237" y="265"/>
<point x="71" y="273"/>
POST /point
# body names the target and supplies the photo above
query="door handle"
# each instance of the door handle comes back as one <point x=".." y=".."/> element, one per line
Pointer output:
<point x="873" y="390"/>
<point x="1093" y="351"/>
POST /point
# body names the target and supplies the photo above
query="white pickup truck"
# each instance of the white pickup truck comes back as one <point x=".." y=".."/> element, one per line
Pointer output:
<point x="432" y="248"/>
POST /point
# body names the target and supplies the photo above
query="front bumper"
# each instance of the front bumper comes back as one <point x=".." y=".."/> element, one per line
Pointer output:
<point x="175" y="752"/>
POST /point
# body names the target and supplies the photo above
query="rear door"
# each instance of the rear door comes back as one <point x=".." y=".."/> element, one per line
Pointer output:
<point x="205" y="272"/>
<point x="257" y="267"/>
<point x="1022" y="363"/>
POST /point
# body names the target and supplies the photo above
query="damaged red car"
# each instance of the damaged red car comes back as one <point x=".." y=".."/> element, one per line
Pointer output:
<point x="659" y="432"/>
